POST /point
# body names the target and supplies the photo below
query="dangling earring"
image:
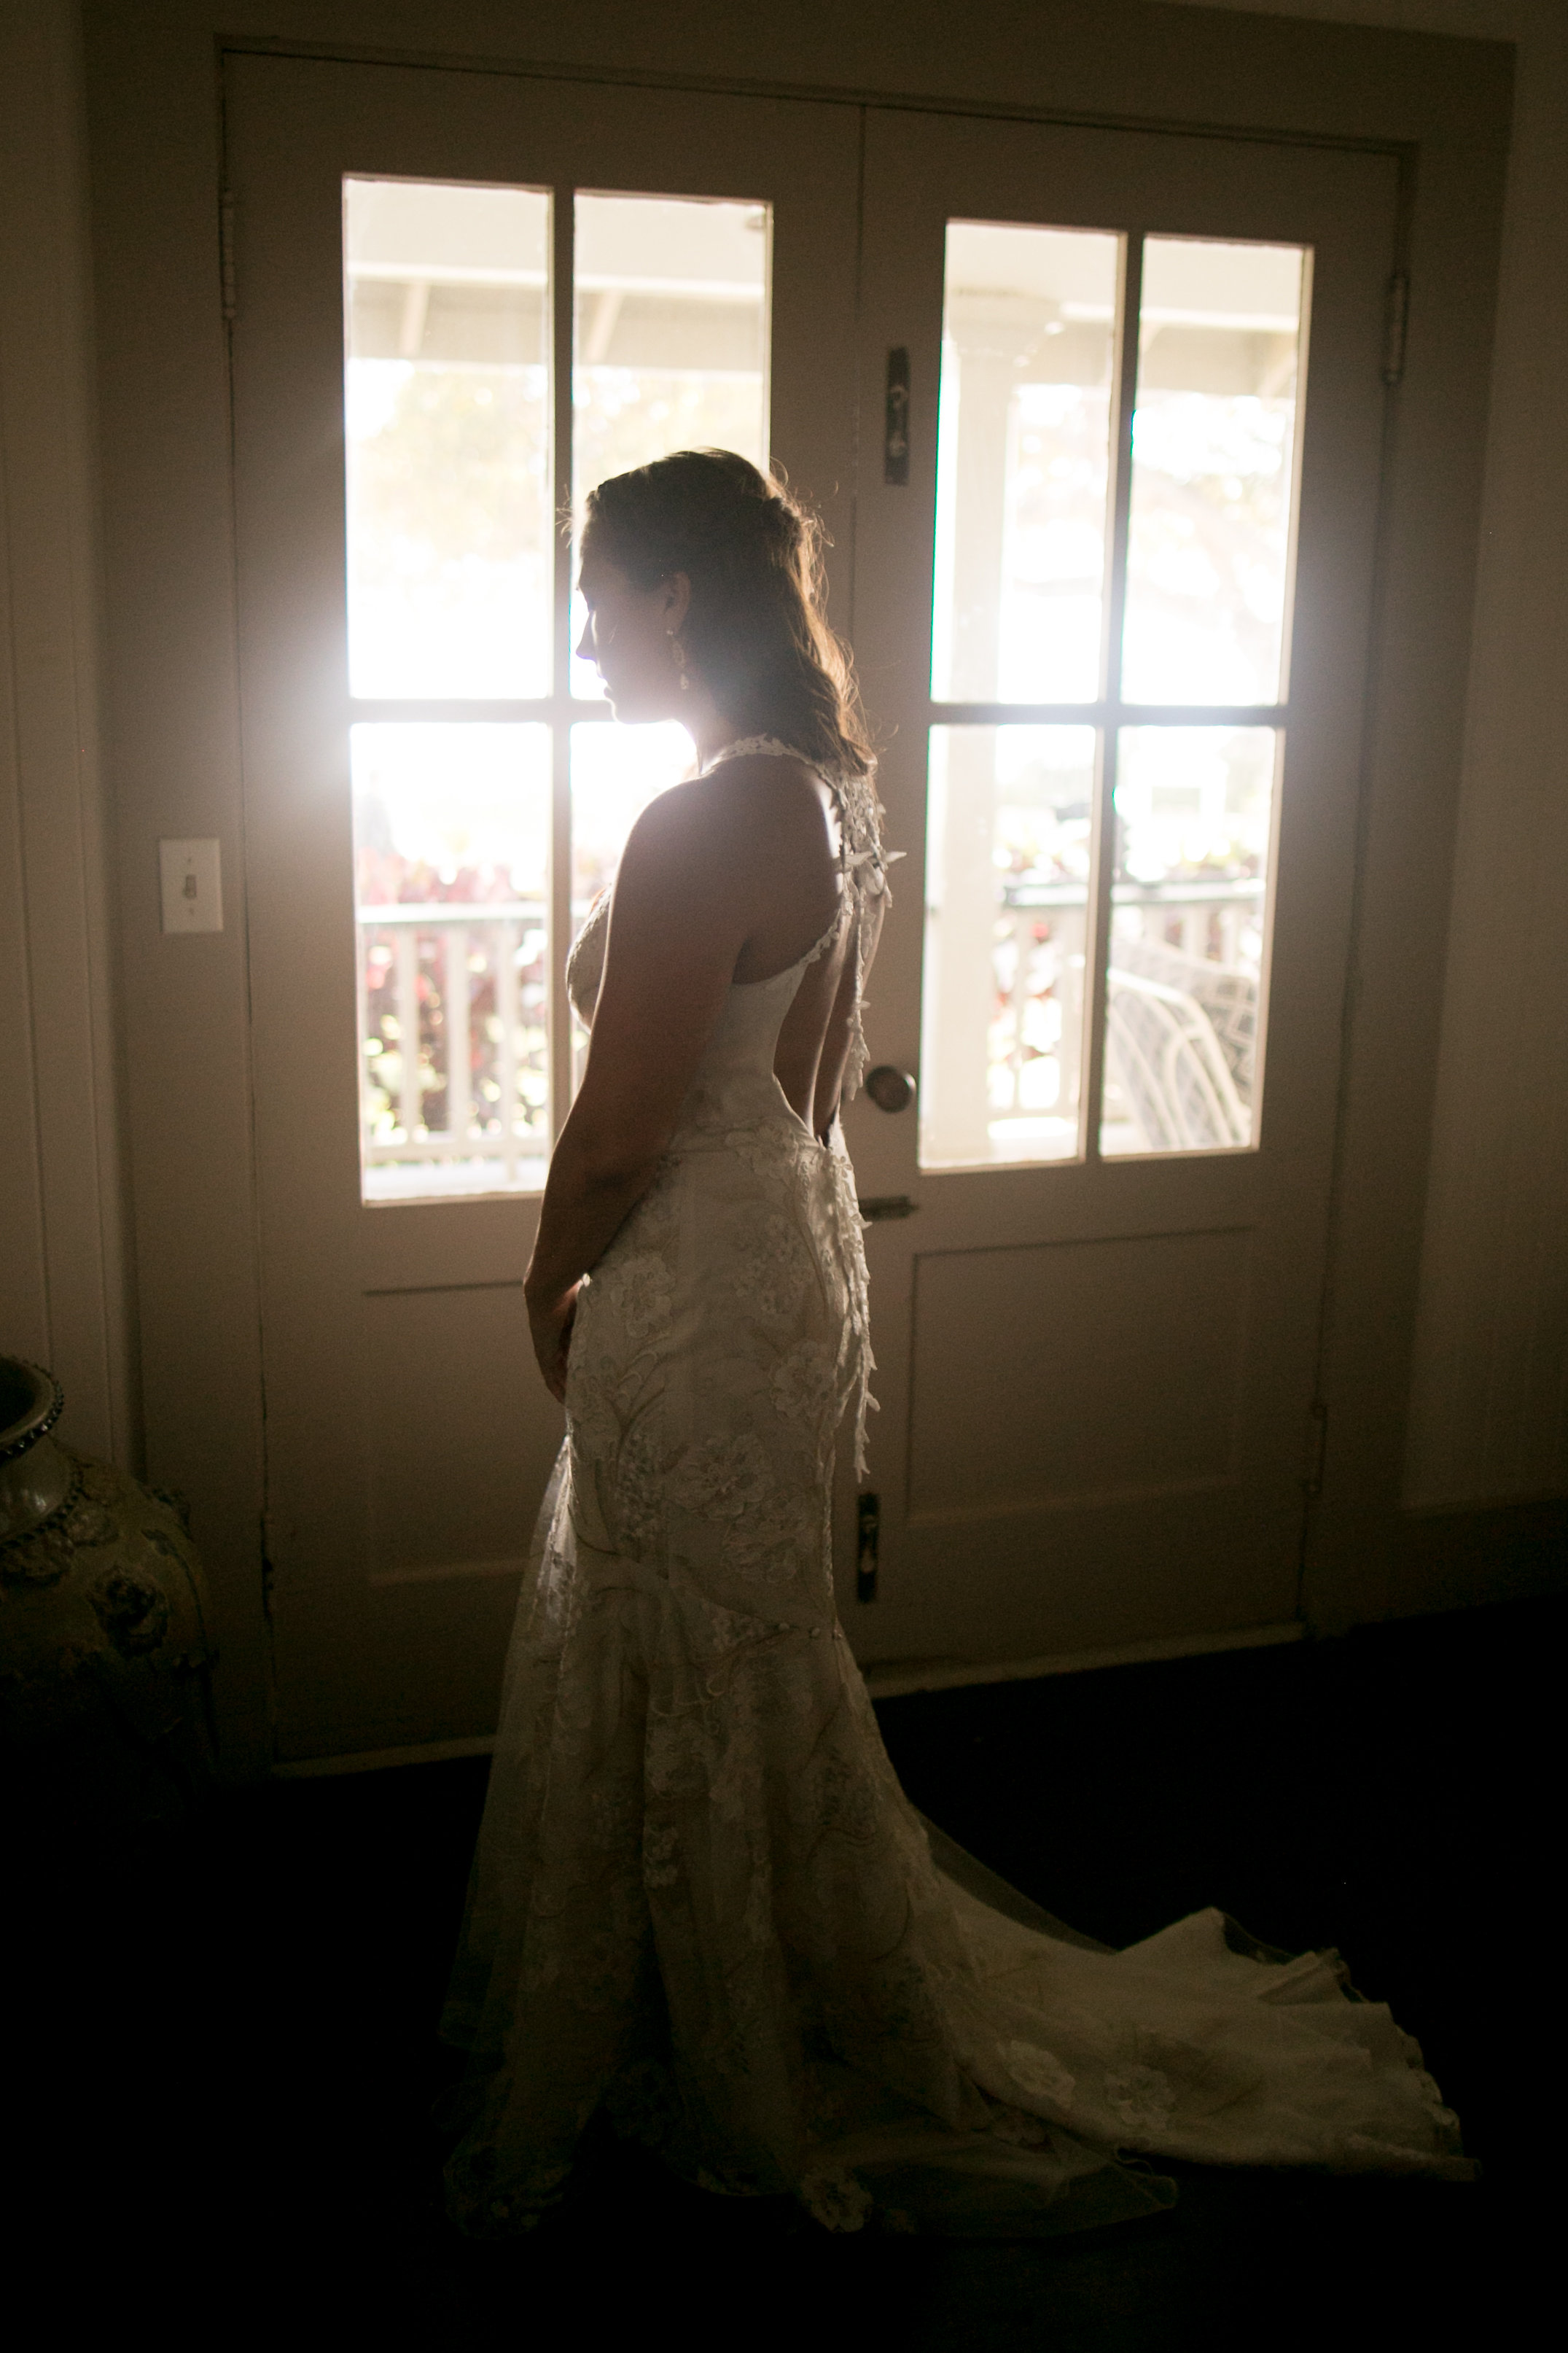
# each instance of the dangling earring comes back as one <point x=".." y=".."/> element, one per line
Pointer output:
<point x="678" y="654"/>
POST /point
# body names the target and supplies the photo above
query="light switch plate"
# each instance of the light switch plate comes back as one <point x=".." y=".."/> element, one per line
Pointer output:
<point x="192" y="883"/>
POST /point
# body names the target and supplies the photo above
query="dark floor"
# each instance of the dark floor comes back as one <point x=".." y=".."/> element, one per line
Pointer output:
<point x="231" y="2059"/>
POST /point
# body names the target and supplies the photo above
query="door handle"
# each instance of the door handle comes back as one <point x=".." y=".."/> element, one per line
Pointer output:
<point x="889" y="1088"/>
<point x="882" y="1205"/>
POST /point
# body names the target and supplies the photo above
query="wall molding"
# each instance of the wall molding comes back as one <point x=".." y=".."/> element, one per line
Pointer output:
<point x="64" y="1290"/>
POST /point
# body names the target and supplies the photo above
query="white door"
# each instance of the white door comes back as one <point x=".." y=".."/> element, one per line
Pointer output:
<point x="542" y="283"/>
<point x="1124" y="740"/>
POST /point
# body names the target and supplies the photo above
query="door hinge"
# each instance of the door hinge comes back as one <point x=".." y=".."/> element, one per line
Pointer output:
<point x="1317" y="1447"/>
<point x="270" y="1549"/>
<point x="225" y="252"/>
<point x="868" y="1520"/>
<point x="1397" y="313"/>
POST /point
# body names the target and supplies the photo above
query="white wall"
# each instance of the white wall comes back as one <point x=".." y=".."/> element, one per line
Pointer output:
<point x="1489" y="1402"/>
<point x="62" y="1287"/>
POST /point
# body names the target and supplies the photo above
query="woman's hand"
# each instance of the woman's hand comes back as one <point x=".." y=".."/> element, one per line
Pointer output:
<point x="550" y="1324"/>
<point x="675" y="935"/>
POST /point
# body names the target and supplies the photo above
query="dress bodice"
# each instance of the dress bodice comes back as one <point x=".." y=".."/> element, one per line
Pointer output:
<point x="735" y="1085"/>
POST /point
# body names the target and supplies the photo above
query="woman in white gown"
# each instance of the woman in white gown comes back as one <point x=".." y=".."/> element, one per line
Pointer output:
<point x="701" y="1903"/>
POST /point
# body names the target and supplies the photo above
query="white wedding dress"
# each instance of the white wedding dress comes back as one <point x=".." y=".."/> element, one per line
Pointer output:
<point x="700" y="1902"/>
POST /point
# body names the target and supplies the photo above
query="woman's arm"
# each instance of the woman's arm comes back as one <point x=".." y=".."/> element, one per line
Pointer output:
<point x="677" y="925"/>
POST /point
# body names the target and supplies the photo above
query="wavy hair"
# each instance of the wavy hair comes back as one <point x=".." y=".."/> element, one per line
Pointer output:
<point x="755" y="628"/>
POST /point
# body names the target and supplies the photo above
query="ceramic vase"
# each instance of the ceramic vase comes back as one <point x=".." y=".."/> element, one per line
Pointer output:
<point x="105" y="1657"/>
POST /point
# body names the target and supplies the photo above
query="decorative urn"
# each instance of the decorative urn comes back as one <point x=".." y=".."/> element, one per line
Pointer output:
<point x="105" y="1660"/>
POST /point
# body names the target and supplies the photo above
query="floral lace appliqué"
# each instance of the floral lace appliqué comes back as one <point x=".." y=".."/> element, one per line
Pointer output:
<point x="1140" y="2097"/>
<point x="803" y="1382"/>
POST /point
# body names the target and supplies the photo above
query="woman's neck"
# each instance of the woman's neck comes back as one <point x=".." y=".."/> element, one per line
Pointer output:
<point x="705" y="724"/>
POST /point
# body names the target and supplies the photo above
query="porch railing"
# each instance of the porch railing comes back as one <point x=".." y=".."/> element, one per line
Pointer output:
<point x="1204" y="921"/>
<point x="503" y="1135"/>
<point x="480" y="1034"/>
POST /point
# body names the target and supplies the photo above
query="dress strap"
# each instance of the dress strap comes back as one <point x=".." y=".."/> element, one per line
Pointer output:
<point x="862" y="862"/>
<point x="770" y="745"/>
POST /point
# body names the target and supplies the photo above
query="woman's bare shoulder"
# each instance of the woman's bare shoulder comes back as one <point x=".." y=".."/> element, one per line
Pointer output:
<point x="688" y="836"/>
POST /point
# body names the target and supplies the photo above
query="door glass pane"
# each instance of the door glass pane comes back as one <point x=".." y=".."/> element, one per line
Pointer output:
<point x="447" y="398"/>
<point x="1009" y="828"/>
<point x="1029" y="332"/>
<point x="1184" y="1038"/>
<point x="616" y="772"/>
<point x="1214" y="448"/>
<point x="671" y="349"/>
<point x="451" y="865"/>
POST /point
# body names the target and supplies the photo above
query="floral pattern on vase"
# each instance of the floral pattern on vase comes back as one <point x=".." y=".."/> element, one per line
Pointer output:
<point x="105" y="1654"/>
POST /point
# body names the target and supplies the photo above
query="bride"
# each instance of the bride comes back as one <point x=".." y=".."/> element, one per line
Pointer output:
<point x="702" y="1907"/>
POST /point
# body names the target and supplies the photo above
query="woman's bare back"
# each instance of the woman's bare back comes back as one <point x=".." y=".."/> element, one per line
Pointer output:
<point x="791" y="825"/>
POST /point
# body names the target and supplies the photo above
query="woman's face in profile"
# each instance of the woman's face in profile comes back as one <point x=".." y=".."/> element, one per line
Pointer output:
<point x="629" y="637"/>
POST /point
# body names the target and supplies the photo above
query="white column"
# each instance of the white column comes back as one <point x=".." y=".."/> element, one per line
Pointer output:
<point x="963" y="926"/>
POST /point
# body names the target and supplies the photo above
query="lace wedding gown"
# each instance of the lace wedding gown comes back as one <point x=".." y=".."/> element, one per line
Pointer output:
<point x="700" y="1902"/>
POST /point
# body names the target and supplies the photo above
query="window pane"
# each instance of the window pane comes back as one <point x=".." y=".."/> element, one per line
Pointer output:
<point x="1213" y="473"/>
<point x="672" y="339"/>
<point x="1009" y="828"/>
<point x="1028" y="329"/>
<point x="451" y="864"/>
<point x="447" y="400"/>
<point x="616" y="772"/>
<point x="1195" y="811"/>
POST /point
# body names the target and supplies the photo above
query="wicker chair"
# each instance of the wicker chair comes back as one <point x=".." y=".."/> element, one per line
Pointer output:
<point x="1181" y="1046"/>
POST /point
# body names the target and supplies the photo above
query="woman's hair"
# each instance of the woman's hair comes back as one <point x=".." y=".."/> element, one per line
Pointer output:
<point x="755" y="629"/>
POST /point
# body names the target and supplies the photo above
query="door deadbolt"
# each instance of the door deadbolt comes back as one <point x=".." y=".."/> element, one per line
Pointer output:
<point x="889" y="1089"/>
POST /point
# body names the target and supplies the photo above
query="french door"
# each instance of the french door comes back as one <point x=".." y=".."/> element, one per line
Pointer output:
<point x="1093" y="420"/>
<point x="461" y="299"/>
<point x="1113" y="602"/>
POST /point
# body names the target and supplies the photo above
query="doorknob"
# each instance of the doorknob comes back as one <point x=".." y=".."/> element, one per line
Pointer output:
<point x="889" y="1089"/>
